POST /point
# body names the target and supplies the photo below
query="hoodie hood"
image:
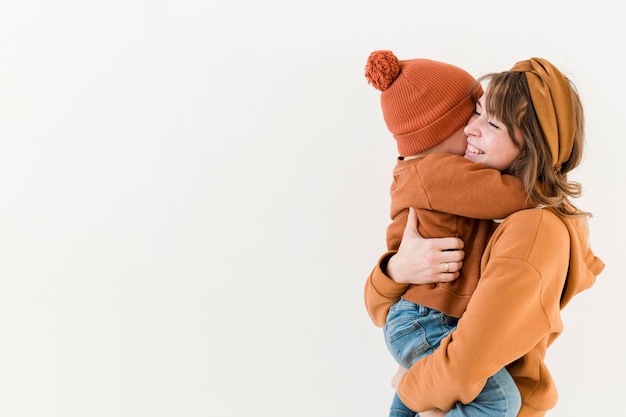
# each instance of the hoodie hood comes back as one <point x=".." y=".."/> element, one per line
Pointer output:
<point x="584" y="265"/>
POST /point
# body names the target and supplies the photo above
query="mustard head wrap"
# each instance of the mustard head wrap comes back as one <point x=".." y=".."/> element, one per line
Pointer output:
<point x="551" y="96"/>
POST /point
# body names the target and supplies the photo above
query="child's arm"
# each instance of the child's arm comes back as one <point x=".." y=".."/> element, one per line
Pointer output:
<point x="458" y="186"/>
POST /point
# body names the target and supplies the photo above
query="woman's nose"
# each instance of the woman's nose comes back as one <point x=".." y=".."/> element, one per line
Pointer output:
<point x="471" y="128"/>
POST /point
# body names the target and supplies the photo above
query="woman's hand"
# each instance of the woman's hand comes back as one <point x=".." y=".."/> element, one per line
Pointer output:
<point x="398" y="376"/>
<point x="435" y="412"/>
<point x="425" y="261"/>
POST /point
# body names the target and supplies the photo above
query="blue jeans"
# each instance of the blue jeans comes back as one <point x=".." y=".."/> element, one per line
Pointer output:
<point x="413" y="331"/>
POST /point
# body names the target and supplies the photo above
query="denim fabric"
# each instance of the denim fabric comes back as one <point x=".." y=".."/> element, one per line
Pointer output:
<point x="500" y="397"/>
<point x="413" y="331"/>
<point x="398" y="409"/>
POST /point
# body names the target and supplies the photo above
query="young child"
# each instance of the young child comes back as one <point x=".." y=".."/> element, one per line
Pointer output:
<point x="426" y="105"/>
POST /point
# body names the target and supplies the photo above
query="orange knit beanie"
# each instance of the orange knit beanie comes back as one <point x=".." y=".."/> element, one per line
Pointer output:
<point x="423" y="101"/>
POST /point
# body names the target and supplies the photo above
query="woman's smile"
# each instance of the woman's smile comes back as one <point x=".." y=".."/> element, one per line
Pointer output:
<point x="473" y="149"/>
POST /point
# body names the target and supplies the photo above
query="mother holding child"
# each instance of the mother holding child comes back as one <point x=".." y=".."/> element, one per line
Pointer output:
<point x="470" y="312"/>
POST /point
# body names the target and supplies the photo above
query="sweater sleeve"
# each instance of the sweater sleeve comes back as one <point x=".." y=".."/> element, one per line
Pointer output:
<point x="458" y="186"/>
<point x="514" y="308"/>
<point x="381" y="292"/>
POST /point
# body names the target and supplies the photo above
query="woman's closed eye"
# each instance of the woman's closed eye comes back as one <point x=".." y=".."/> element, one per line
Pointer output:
<point x="494" y="125"/>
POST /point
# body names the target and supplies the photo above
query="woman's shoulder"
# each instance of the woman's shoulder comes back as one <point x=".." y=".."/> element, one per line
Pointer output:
<point x="532" y="227"/>
<point x="530" y="234"/>
<point x="533" y="216"/>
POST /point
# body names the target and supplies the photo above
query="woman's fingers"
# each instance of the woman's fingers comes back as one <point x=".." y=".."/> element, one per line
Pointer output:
<point x="423" y="261"/>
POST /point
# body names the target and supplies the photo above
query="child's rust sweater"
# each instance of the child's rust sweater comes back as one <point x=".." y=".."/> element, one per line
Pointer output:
<point x="452" y="197"/>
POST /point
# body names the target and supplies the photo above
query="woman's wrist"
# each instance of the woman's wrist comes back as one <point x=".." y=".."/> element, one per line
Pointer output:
<point x="391" y="269"/>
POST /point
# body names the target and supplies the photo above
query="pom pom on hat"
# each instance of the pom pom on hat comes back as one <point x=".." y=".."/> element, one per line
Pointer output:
<point x="382" y="69"/>
<point x="423" y="101"/>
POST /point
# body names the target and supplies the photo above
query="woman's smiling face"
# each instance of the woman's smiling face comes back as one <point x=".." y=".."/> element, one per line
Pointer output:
<point x="488" y="140"/>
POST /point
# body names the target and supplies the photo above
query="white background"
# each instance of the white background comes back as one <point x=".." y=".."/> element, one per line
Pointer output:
<point x="192" y="194"/>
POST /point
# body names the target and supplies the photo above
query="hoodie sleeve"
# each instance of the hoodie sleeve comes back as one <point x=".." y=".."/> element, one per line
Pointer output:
<point x="381" y="292"/>
<point x="458" y="186"/>
<point x="514" y="308"/>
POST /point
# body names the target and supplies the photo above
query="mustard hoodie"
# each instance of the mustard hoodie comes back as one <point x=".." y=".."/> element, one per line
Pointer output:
<point x="535" y="263"/>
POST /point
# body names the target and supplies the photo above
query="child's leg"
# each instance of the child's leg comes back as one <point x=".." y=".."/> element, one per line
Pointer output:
<point x="398" y="409"/>
<point x="412" y="332"/>
<point x="500" y="397"/>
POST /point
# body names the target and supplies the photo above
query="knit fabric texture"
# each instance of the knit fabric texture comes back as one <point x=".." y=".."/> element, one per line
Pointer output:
<point x="423" y="101"/>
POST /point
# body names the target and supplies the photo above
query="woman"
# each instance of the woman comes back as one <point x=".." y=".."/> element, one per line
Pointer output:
<point x="536" y="260"/>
